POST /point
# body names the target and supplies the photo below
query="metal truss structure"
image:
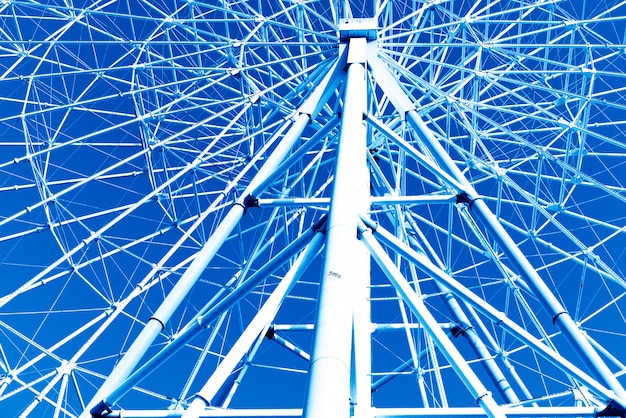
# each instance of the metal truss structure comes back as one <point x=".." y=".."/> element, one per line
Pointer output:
<point x="391" y="208"/>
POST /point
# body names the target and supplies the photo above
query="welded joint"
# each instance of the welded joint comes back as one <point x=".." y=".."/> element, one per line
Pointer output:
<point x="248" y="202"/>
<point x="320" y="226"/>
<point x="66" y="367"/>
<point x="304" y="112"/>
<point x="481" y="397"/>
<point x="500" y="318"/>
<point x="154" y="318"/>
<point x="464" y="197"/>
<point x="459" y="330"/>
<point x="205" y="400"/>
<point x="367" y="223"/>
<point x="271" y="332"/>
<point x="555" y="317"/>
<point x="102" y="409"/>
<point x="200" y="323"/>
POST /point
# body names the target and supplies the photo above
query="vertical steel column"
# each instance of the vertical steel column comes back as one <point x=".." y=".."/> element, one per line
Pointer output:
<point x="361" y="375"/>
<point x="328" y="392"/>
<point x="361" y="381"/>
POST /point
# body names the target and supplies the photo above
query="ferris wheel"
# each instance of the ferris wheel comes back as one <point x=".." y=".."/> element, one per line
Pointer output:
<point x="394" y="208"/>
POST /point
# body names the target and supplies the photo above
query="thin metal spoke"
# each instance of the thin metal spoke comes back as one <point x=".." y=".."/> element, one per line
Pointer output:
<point x="138" y="188"/>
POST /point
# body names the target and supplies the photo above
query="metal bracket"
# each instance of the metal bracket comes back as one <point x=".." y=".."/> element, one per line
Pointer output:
<point x="358" y="28"/>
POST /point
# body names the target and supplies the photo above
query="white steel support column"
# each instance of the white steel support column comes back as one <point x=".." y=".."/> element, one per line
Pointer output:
<point x="361" y="374"/>
<point x="328" y="393"/>
<point x="361" y="390"/>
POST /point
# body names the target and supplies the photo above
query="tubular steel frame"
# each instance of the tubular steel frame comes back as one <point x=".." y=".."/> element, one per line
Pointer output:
<point x="372" y="134"/>
<point x="336" y="359"/>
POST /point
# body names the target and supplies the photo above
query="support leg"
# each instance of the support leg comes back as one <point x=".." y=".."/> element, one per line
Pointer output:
<point x="328" y="393"/>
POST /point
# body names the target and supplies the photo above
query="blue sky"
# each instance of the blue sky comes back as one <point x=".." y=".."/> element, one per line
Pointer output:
<point x="128" y="129"/>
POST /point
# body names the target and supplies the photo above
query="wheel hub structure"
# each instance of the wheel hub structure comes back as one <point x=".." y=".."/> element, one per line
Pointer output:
<point x="312" y="208"/>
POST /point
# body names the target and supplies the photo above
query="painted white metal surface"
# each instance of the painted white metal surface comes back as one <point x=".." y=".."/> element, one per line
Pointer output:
<point x="119" y="161"/>
<point x="328" y="392"/>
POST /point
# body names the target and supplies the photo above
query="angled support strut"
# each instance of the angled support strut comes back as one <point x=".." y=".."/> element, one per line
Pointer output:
<point x="310" y="108"/>
<point x="479" y="208"/>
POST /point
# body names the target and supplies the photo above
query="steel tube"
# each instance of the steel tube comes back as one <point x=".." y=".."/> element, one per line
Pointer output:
<point x="499" y="318"/>
<point x="469" y="331"/>
<point x="289" y="346"/>
<point x="186" y="282"/>
<point x="261" y="322"/>
<point x="464" y="371"/>
<point x="203" y="321"/>
<point x="539" y="412"/>
<point x="559" y="314"/>
<point x="328" y="392"/>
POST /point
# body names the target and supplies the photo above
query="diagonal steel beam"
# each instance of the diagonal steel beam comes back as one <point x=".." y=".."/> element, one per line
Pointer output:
<point x="496" y="316"/>
<point x="156" y="323"/>
<point x="560" y="315"/>
<point x="412" y="299"/>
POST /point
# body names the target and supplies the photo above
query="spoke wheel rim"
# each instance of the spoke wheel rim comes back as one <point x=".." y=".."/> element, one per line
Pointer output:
<point x="128" y="132"/>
